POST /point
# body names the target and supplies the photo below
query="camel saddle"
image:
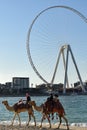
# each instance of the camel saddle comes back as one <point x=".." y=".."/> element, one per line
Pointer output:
<point x="21" y="106"/>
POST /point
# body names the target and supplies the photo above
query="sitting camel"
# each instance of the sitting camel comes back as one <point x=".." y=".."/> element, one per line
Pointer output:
<point x="46" y="109"/>
<point x="17" y="108"/>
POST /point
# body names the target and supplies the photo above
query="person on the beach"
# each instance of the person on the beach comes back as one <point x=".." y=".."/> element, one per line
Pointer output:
<point x="50" y="98"/>
<point x="28" y="98"/>
<point x="56" y="98"/>
<point x="20" y="102"/>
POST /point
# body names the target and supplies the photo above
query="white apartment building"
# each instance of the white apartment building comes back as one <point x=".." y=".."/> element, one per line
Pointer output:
<point x="20" y="82"/>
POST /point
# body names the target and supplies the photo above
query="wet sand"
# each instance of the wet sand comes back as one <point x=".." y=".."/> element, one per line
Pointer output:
<point x="44" y="127"/>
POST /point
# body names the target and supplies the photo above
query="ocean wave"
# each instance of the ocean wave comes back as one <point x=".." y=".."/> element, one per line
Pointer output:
<point x="38" y="123"/>
<point x="79" y="124"/>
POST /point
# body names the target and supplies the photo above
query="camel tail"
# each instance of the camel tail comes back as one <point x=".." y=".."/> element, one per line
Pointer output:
<point x="64" y="113"/>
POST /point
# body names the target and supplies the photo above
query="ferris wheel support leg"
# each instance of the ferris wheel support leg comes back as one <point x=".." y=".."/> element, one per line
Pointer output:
<point x="82" y="86"/>
<point x="66" y="67"/>
<point x="56" y="66"/>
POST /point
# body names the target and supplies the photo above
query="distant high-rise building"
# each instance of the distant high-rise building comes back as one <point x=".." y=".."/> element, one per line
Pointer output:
<point x="20" y="82"/>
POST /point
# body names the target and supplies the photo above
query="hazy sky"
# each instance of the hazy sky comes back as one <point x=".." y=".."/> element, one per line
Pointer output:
<point x="16" y="17"/>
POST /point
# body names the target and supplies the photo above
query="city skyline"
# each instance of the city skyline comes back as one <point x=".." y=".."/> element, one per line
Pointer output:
<point x="16" y="18"/>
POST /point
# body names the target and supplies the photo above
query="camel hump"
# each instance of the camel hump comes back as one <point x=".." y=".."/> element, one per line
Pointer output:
<point x="50" y="105"/>
<point x="17" y="106"/>
<point x="58" y="104"/>
<point x="60" y="107"/>
<point x="21" y="106"/>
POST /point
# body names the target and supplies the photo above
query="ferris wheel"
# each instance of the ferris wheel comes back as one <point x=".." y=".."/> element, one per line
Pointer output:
<point x="46" y="37"/>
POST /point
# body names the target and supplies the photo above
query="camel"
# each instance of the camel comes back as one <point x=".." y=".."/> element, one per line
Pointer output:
<point x="46" y="109"/>
<point x="17" y="108"/>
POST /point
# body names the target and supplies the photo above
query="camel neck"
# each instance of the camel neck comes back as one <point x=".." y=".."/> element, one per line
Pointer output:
<point x="37" y="108"/>
<point x="10" y="108"/>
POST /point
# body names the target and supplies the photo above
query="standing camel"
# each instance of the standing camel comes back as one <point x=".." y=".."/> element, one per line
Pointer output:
<point x="47" y="110"/>
<point x="17" y="108"/>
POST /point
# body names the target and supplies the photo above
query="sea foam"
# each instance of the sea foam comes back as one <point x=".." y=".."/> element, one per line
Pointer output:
<point x="38" y="123"/>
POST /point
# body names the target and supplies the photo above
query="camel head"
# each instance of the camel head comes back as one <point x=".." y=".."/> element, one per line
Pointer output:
<point x="5" y="102"/>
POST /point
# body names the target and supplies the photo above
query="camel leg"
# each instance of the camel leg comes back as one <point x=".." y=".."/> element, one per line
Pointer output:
<point x="13" y="119"/>
<point x="59" y="122"/>
<point x="31" y="114"/>
<point x="43" y="117"/>
<point x="33" y="118"/>
<point x="42" y="120"/>
<point x="29" y="119"/>
<point x="19" y="120"/>
<point x="66" y="122"/>
<point x="48" y="120"/>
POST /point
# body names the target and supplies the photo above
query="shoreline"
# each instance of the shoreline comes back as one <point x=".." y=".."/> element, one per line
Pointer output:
<point x="43" y="95"/>
<point x="5" y="125"/>
<point x="44" y="127"/>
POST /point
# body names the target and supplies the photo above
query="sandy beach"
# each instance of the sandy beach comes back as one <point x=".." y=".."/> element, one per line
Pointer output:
<point x="45" y="127"/>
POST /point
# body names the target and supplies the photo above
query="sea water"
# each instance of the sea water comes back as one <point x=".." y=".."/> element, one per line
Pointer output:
<point x="75" y="107"/>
